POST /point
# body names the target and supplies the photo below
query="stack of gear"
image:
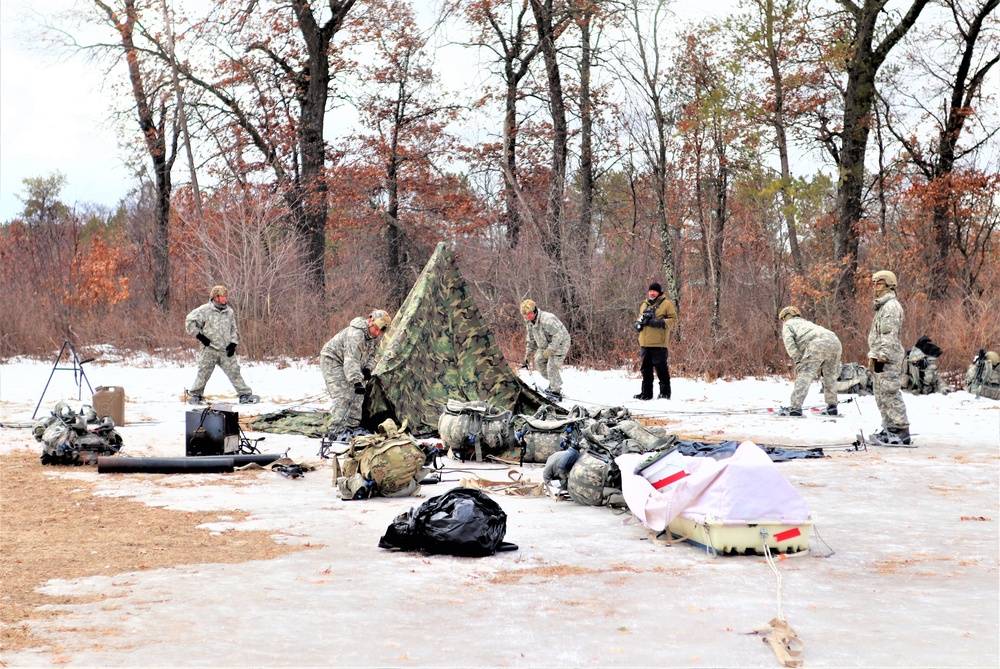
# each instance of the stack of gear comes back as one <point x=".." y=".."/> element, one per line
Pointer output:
<point x="389" y="463"/>
<point x="920" y="374"/>
<point x="854" y="379"/>
<point x="983" y="377"/>
<point x="71" y="438"/>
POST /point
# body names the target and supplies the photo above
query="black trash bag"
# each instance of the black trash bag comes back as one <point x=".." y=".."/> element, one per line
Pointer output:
<point x="462" y="521"/>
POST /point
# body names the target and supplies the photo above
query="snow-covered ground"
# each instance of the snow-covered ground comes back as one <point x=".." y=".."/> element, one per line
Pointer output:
<point x="910" y="581"/>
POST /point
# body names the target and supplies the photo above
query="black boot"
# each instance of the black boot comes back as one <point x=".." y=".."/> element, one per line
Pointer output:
<point x="643" y="396"/>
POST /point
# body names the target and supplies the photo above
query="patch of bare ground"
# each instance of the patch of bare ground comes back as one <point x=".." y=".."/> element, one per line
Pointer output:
<point x="52" y="527"/>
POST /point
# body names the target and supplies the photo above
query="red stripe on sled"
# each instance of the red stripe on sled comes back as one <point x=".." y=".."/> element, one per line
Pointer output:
<point x="787" y="534"/>
<point x="677" y="476"/>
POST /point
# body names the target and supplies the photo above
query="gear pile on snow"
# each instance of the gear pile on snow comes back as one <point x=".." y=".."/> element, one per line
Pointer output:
<point x="76" y="438"/>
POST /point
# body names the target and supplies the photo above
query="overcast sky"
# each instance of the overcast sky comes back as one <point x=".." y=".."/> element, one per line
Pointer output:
<point x="55" y="118"/>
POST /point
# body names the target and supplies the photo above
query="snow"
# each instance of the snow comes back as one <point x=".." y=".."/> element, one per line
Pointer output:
<point x="896" y="576"/>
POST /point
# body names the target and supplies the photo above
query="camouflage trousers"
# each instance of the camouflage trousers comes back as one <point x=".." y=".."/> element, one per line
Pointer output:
<point x="551" y="369"/>
<point x="889" y="397"/>
<point x="822" y="357"/>
<point x="345" y="404"/>
<point x="208" y="359"/>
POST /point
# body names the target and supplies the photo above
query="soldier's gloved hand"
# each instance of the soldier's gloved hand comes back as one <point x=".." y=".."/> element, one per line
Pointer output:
<point x="366" y="373"/>
<point x="524" y="365"/>
<point x="871" y="364"/>
<point x="203" y="339"/>
<point x="546" y="354"/>
<point x="359" y="389"/>
<point x="231" y="349"/>
<point x="878" y="366"/>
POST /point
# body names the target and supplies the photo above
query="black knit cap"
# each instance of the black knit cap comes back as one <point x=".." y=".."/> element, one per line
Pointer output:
<point x="655" y="286"/>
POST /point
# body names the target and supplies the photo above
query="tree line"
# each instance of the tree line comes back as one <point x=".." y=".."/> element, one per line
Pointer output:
<point x="778" y="155"/>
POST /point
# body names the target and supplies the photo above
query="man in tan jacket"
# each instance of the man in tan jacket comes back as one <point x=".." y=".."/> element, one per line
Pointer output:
<point x="657" y="315"/>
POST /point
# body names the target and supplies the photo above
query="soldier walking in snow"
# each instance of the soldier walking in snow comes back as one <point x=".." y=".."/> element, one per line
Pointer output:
<point x="657" y="316"/>
<point x="813" y="349"/>
<point x="214" y="325"/>
<point x="549" y="340"/>
<point x="885" y="358"/>
<point x="346" y="362"/>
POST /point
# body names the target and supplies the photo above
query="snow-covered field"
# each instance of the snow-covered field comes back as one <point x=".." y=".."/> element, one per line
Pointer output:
<point x="910" y="581"/>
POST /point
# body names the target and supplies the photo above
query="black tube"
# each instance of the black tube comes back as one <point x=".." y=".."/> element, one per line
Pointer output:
<point x="114" y="464"/>
<point x="241" y="460"/>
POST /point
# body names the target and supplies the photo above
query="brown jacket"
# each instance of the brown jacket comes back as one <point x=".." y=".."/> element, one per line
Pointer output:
<point x="658" y="337"/>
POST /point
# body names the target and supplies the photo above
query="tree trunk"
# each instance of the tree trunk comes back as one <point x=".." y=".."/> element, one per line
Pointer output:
<point x="859" y="96"/>
<point x="583" y="231"/>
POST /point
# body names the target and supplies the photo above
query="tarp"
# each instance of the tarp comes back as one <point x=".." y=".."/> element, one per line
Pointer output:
<point x="744" y="488"/>
<point x="439" y="347"/>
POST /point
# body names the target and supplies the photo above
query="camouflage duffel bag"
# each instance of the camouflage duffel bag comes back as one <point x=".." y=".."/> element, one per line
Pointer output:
<point x="594" y="482"/>
<point x="539" y="439"/>
<point x="473" y="430"/>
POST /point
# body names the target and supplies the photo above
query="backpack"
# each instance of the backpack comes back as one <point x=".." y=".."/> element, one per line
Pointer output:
<point x="474" y="430"/>
<point x="594" y="481"/>
<point x="854" y="379"/>
<point x="983" y="379"/>
<point x="462" y="522"/>
<point x="388" y="463"/>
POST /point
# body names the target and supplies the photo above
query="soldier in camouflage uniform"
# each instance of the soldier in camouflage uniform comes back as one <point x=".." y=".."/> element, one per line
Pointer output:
<point x="983" y="377"/>
<point x="346" y="362"/>
<point x="886" y="359"/>
<point x="214" y="325"/>
<point x="549" y="340"/>
<point x="813" y="349"/>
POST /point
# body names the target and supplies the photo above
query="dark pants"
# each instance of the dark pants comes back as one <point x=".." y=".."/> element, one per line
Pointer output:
<point x="655" y="358"/>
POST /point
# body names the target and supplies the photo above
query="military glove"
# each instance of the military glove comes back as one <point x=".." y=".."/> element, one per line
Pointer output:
<point x="546" y="354"/>
<point x="524" y="365"/>
<point x="359" y="389"/>
<point x="366" y="373"/>
<point x="203" y="339"/>
<point x="878" y="366"/>
<point x="231" y="349"/>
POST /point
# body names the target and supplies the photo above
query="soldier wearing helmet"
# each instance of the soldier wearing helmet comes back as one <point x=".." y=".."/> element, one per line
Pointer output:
<point x="213" y="324"/>
<point x="346" y="362"/>
<point x="814" y="349"/>
<point x="885" y="358"/>
<point x="547" y="338"/>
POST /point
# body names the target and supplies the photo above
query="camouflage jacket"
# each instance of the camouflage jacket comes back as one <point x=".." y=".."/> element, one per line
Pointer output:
<point x="546" y="333"/>
<point x="651" y="336"/>
<point x="219" y="325"/>
<point x="883" y="338"/>
<point x="798" y="333"/>
<point x="352" y="348"/>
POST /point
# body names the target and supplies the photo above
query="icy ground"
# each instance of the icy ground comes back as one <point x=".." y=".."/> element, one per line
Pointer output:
<point x="902" y="574"/>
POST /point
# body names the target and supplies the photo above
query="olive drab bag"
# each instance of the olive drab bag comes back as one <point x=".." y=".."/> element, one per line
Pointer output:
<point x="389" y="463"/>
<point x="474" y="430"/>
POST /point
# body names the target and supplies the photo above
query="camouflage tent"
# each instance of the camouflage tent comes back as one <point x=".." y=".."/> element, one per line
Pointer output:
<point x="437" y="348"/>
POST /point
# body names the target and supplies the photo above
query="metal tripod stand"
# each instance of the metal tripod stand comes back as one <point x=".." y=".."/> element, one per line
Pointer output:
<point x="79" y="376"/>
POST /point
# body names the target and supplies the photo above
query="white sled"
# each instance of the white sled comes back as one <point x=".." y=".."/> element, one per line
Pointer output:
<point x="747" y="538"/>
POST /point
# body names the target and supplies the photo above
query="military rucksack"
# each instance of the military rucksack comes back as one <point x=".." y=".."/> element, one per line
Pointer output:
<point x="474" y="430"/>
<point x="920" y="370"/>
<point x="75" y="438"/>
<point x="983" y="379"/>
<point x="594" y="481"/>
<point x="389" y="463"/>
<point x="854" y="379"/>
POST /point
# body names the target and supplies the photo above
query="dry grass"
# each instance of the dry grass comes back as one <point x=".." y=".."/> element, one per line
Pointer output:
<point x="52" y="527"/>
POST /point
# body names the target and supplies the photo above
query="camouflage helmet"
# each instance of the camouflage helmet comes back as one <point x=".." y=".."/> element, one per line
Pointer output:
<point x="788" y="312"/>
<point x="380" y="319"/>
<point x="528" y="306"/>
<point x="219" y="291"/>
<point x="885" y="275"/>
<point x="993" y="358"/>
